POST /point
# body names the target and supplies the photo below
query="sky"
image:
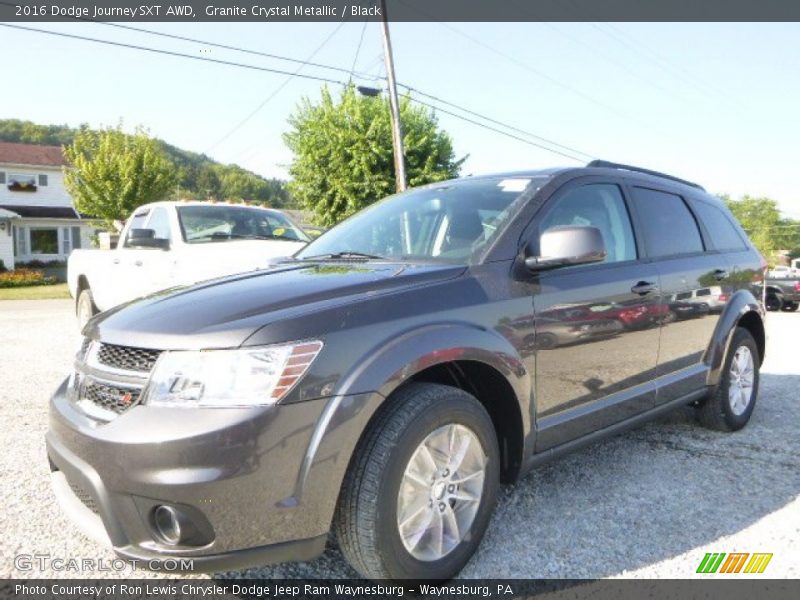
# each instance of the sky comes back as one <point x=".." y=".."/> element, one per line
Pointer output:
<point x="712" y="103"/>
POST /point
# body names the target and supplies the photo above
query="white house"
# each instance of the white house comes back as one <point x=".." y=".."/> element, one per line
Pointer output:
<point x="37" y="218"/>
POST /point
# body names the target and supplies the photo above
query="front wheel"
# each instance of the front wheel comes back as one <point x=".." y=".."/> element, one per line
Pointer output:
<point x="773" y="302"/>
<point x="729" y="406"/>
<point x="85" y="307"/>
<point x="421" y="487"/>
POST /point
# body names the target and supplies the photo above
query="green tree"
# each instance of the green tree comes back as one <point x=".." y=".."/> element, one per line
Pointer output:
<point x="761" y="219"/>
<point x="343" y="152"/>
<point x="111" y="173"/>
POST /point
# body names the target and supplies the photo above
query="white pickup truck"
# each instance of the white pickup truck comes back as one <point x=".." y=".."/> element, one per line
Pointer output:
<point x="167" y="244"/>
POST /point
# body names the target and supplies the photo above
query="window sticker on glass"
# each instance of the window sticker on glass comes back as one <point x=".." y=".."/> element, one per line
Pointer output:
<point x="514" y="185"/>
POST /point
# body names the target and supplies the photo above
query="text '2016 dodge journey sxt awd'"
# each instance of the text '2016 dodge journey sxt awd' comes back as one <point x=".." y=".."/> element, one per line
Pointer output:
<point x="386" y="379"/>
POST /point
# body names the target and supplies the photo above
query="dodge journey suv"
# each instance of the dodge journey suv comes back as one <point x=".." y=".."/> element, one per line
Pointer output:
<point x="385" y="380"/>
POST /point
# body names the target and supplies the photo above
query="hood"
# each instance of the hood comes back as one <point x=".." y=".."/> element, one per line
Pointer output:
<point x="222" y="313"/>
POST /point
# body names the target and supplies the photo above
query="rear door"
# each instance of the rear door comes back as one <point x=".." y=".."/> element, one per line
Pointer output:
<point x="692" y="276"/>
<point x="596" y="331"/>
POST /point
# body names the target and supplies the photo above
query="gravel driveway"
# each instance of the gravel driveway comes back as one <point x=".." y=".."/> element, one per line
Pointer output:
<point x="649" y="503"/>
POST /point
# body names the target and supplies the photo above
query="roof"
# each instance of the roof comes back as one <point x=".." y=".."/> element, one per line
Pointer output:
<point x="31" y="154"/>
<point x="7" y="214"/>
<point x="42" y="212"/>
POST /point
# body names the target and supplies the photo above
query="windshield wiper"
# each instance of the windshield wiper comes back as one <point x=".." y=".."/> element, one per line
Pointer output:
<point x="335" y="255"/>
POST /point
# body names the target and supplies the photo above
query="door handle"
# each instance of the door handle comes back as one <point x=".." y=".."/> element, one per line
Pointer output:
<point x="643" y="287"/>
<point x="115" y="261"/>
<point x="138" y="263"/>
<point x="720" y="274"/>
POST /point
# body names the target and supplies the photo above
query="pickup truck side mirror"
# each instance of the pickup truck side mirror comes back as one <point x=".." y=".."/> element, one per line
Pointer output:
<point x="568" y="245"/>
<point x="146" y="238"/>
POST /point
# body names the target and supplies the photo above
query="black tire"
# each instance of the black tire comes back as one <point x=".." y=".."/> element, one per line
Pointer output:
<point x="789" y="306"/>
<point x="773" y="302"/>
<point x="366" y="518"/>
<point x="715" y="412"/>
<point x="85" y="308"/>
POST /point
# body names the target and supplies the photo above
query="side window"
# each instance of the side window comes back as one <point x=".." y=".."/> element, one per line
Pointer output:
<point x="137" y="222"/>
<point x="598" y="205"/>
<point x="159" y="222"/>
<point x="669" y="227"/>
<point x="722" y="231"/>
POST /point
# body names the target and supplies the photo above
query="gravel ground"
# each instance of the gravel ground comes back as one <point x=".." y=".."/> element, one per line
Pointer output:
<point x="649" y="503"/>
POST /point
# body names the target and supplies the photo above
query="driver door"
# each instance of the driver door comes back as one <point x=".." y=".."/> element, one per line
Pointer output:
<point x="596" y="325"/>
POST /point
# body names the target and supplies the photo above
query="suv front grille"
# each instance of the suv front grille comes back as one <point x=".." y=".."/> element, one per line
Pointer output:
<point x="127" y="358"/>
<point x="113" y="398"/>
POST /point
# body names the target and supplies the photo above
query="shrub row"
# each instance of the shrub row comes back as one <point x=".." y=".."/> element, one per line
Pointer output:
<point x="24" y="278"/>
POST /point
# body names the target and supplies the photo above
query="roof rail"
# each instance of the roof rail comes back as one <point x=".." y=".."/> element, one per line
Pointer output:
<point x="612" y="165"/>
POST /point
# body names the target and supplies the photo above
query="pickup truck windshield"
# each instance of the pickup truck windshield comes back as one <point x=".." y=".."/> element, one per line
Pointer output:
<point x="202" y="224"/>
<point x="447" y="222"/>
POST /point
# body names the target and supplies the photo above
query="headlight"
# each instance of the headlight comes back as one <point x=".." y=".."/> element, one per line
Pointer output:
<point x="227" y="378"/>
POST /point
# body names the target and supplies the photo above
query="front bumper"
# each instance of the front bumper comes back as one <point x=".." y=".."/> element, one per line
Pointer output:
<point x="258" y="485"/>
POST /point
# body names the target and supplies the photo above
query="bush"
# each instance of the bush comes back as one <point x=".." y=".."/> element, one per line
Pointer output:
<point x="24" y="278"/>
<point x="42" y="264"/>
<point x="2" y="267"/>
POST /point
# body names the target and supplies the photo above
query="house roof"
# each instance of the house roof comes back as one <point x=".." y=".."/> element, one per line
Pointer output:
<point x="31" y="154"/>
<point x="42" y="212"/>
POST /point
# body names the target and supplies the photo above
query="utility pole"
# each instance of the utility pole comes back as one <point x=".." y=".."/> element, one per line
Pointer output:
<point x="394" y="104"/>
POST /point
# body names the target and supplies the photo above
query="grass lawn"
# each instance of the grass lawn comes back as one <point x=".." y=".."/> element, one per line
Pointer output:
<point x="35" y="292"/>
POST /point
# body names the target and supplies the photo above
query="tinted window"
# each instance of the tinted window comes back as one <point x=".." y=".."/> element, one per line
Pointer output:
<point x="159" y="222"/>
<point x="669" y="227"/>
<point x="137" y="222"/>
<point x="722" y="231"/>
<point x="601" y="206"/>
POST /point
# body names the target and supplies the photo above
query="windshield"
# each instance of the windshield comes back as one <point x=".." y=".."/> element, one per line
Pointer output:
<point x="447" y="222"/>
<point x="214" y="223"/>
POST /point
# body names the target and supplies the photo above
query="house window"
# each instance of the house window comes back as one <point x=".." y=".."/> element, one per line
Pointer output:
<point x="2" y="177"/>
<point x="42" y="180"/>
<point x="19" y="182"/>
<point x="66" y="242"/>
<point x="21" y="247"/>
<point x="44" y="241"/>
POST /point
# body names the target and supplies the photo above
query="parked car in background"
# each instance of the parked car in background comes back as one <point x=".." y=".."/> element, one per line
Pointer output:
<point x="168" y="244"/>
<point x="383" y="381"/>
<point x="313" y="231"/>
<point x="782" y="271"/>
<point x="783" y="293"/>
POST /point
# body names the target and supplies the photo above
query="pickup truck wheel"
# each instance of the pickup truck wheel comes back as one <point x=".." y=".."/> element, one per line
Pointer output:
<point x="789" y="306"/>
<point x="421" y="486"/>
<point x="730" y="405"/>
<point x="85" y="307"/>
<point x="773" y="302"/>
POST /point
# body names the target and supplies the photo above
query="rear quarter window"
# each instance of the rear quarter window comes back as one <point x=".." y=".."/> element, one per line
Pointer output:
<point x="719" y="225"/>
<point x="669" y="227"/>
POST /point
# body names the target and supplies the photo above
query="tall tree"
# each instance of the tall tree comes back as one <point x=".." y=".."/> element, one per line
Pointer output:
<point x="343" y="152"/>
<point x="761" y="219"/>
<point x="111" y="173"/>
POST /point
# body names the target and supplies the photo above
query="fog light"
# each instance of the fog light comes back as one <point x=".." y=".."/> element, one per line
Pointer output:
<point x="168" y="524"/>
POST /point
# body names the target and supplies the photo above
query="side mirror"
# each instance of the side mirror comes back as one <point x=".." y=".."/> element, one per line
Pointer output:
<point x="146" y="238"/>
<point x="568" y="245"/>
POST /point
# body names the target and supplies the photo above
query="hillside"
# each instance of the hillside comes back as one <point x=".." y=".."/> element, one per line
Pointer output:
<point x="198" y="176"/>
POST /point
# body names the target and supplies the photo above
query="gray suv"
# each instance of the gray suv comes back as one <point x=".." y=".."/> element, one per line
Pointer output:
<point x="384" y="381"/>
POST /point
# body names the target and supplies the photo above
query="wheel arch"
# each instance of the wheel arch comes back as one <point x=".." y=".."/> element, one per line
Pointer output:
<point x="742" y="310"/>
<point x="476" y="360"/>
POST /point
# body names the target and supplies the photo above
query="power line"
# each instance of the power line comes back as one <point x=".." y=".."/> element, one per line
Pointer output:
<point x="500" y="131"/>
<point x="496" y="122"/>
<point x="236" y="49"/>
<point x="358" y="49"/>
<point x="275" y="92"/>
<point x="172" y="53"/>
<point x="323" y="79"/>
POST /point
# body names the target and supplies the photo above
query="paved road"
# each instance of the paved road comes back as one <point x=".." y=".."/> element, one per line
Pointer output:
<point x="649" y="503"/>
